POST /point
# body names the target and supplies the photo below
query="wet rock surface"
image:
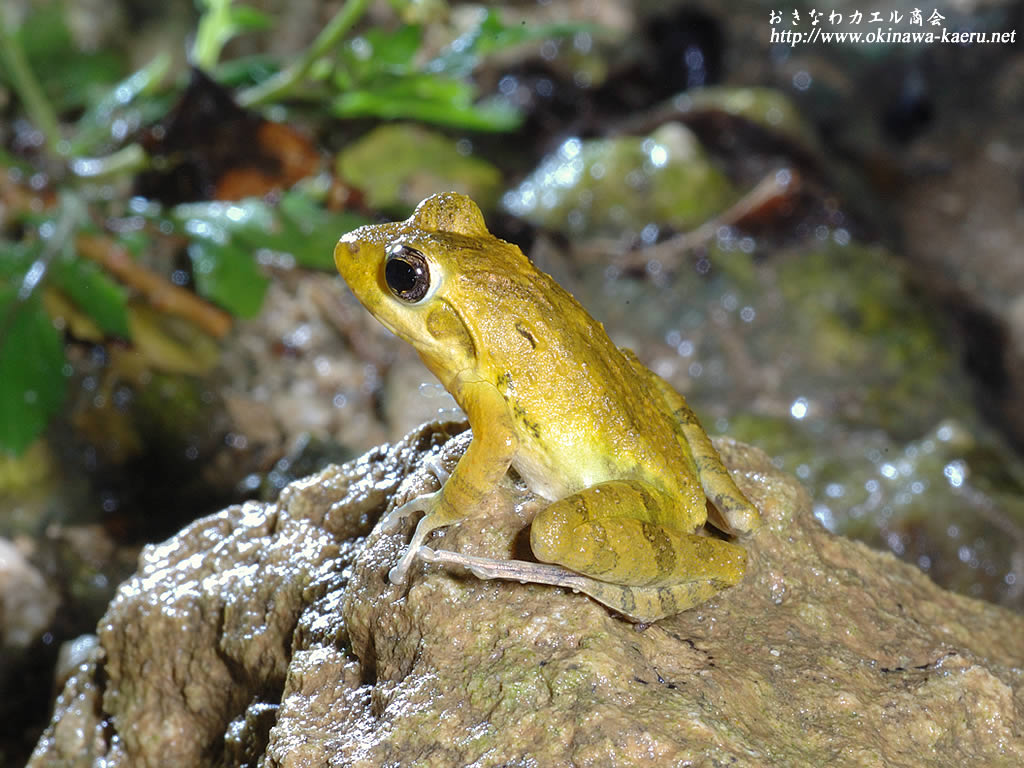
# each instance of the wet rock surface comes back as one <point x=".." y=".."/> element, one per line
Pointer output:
<point x="269" y="634"/>
<point x="27" y="603"/>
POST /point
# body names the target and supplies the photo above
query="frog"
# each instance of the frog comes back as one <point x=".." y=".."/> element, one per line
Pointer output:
<point x="620" y="462"/>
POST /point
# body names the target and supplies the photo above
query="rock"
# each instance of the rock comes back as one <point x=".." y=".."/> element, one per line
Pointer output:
<point x="27" y="603"/>
<point x="771" y="109"/>
<point x="269" y="633"/>
<point x="962" y="227"/>
<point x="398" y="164"/>
<point x="622" y="184"/>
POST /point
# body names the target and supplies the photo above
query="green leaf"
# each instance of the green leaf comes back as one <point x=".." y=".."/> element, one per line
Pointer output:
<point x="249" y="18"/>
<point x="381" y="51"/>
<point x="221" y="21"/>
<point x="491" y="35"/>
<point x="32" y="381"/>
<point x="228" y="275"/>
<point x="15" y="260"/>
<point x="431" y="98"/>
<point x="95" y="125"/>
<point x="495" y="37"/>
<point x="492" y="115"/>
<point x="246" y="70"/>
<point x="394" y="164"/>
<point x="68" y="75"/>
<point x="313" y="231"/>
<point x="220" y="221"/>
<point x="226" y="237"/>
<point x="97" y="295"/>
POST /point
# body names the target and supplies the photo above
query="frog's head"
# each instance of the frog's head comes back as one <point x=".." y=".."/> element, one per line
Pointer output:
<point x="406" y="274"/>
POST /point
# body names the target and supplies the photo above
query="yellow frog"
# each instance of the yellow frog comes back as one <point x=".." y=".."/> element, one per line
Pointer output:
<point x="621" y="457"/>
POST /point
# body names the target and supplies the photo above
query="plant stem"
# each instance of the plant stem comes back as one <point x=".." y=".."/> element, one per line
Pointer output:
<point x="214" y="30"/>
<point x="37" y="107"/>
<point x="277" y="86"/>
<point x="129" y="159"/>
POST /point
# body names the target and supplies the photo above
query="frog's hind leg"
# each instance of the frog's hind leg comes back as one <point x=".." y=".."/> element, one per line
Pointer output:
<point x="614" y="532"/>
<point x="639" y="604"/>
<point x="611" y="534"/>
<point x="737" y="512"/>
<point x="629" y="563"/>
<point x="740" y="515"/>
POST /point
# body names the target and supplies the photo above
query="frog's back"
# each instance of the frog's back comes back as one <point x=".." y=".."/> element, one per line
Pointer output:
<point x="585" y="412"/>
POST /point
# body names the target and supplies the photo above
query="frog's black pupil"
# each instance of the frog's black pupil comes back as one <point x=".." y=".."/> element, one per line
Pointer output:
<point x="401" y="275"/>
<point x="406" y="274"/>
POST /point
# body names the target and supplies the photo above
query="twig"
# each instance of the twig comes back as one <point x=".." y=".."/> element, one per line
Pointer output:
<point x="771" y="187"/>
<point x="163" y="295"/>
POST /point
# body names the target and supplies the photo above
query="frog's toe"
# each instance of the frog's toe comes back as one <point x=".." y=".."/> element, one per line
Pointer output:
<point x="397" y="574"/>
<point x="437" y="468"/>
<point x="392" y="521"/>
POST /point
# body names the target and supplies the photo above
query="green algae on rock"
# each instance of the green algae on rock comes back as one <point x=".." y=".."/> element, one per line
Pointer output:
<point x="621" y="184"/>
<point x="397" y="165"/>
<point x="270" y="633"/>
<point x="767" y="107"/>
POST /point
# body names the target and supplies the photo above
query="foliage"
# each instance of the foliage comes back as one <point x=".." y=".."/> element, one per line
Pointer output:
<point x="68" y="76"/>
<point x="377" y="76"/>
<point x="221" y="21"/>
<point x="32" y="382"/>
<point x="382" y="73"/>
<point x="225" y="236"/>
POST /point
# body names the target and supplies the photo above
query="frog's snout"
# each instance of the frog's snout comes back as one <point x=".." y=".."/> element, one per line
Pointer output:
<point x="349" y="242"/>
<point x="344" y="254"/>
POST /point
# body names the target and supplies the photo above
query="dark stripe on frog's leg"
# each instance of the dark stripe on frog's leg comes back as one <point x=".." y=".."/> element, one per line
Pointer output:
<point x="686" y="416"/>
<point x="520" y="414"/>
<point x="664" y="552"/>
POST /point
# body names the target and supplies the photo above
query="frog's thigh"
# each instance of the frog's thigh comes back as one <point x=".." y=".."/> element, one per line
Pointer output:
<point x="718" y="485"/>
<point x="610" y="532"/>
<point x="740" y="515"/>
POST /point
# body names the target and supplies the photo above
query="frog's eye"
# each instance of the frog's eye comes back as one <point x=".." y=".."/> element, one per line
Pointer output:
<point x="407" y="273"/>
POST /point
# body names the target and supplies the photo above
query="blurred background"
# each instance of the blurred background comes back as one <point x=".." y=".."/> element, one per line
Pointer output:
<point x="810" y="221"/>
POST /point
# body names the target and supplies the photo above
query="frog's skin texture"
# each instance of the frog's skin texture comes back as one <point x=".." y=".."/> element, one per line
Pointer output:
<point x="620" y="455"/>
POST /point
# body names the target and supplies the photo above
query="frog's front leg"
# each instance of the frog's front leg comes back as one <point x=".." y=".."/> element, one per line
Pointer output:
<point x="478" y="472"/>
